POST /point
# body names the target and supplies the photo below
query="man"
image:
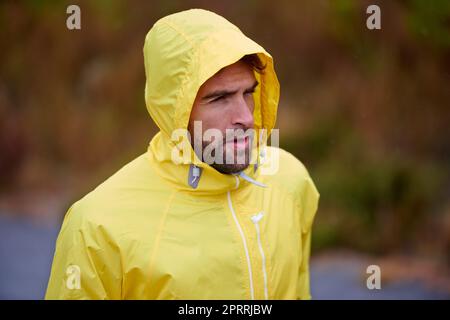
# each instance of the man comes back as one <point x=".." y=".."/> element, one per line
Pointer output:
<point x="177" y="223"/>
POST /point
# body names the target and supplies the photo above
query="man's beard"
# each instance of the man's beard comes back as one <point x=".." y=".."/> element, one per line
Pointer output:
<point x="240" y="157"/>
<point x="230" y="168"/>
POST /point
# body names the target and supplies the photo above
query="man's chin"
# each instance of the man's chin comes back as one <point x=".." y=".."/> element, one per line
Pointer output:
<point x="229" y="168"/>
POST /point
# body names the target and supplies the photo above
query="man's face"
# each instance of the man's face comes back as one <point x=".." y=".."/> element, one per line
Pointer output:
<point x="225" y="102"/>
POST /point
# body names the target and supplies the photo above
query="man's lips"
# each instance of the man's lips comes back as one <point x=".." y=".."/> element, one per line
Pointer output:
<point x="239" y="143"/>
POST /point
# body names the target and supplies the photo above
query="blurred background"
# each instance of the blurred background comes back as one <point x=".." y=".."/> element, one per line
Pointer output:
<point x="367" y="112"/>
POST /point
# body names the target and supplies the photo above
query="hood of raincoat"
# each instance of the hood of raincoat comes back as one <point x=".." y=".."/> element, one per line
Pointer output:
<point x="181" y="52"/>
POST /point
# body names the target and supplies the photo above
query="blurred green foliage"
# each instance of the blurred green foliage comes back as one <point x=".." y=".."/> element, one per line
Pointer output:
<point x="372" y="204"/>
<point x="366" y="111"/>
<point x="429" y="21"/>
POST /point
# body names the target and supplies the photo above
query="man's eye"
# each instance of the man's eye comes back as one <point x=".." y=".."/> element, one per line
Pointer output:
<point x="249" y="92"/>
<point x="218" y="98"/>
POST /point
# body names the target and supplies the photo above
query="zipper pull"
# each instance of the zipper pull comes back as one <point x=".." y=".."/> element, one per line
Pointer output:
<point x="257" y="217"/>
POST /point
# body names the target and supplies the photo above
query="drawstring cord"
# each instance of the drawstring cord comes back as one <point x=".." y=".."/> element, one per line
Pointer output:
<point x="251" y="180"/>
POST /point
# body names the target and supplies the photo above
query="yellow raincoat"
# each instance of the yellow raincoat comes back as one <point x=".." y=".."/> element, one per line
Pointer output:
<point x="149" y="233"/>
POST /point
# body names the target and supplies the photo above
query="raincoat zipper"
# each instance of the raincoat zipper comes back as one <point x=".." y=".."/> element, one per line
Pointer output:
<point x="247" y="254"/>
<point x="255" y="219"/>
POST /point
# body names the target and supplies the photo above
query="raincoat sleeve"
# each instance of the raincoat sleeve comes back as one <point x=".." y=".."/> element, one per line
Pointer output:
<point x="86" y="264"/>
<point x="309" y="200"/>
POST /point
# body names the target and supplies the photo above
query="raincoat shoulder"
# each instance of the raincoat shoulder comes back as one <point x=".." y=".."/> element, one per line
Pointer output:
<point x="101" y="231"/>
<point x="293" y="178"/>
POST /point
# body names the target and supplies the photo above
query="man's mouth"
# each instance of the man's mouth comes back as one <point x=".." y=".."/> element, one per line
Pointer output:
<point x="239" y="143"/>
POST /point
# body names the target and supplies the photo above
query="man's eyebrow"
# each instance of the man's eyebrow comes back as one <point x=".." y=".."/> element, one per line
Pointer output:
<point x="219" y="93"/>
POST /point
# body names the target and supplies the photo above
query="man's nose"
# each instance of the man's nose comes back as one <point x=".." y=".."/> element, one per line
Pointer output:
<point x="243" y="114"/>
